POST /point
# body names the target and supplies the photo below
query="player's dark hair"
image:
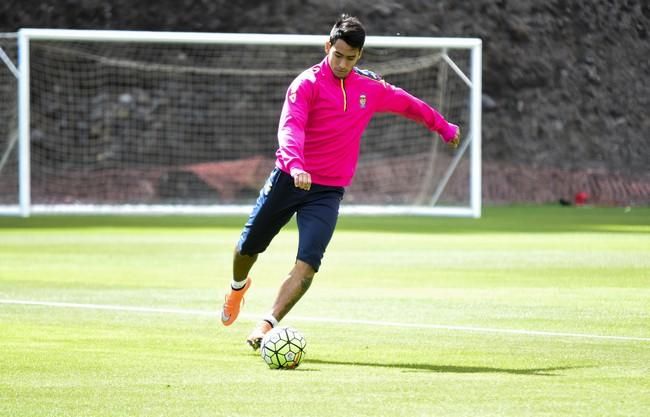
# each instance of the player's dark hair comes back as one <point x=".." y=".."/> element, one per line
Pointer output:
<point x="349" y="29"/>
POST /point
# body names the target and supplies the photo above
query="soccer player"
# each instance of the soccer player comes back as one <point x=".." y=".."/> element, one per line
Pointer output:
<point x="325" y="112"/>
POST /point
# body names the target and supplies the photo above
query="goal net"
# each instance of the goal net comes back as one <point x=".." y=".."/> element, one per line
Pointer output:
<point x="8" y="121"/>
<point x="161" y="122"/>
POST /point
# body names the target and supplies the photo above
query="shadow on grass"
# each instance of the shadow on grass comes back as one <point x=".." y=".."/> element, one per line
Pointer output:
<point x="414" y="367"/>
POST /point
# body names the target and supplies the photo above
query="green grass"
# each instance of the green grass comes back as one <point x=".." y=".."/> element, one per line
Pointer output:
<point x="581" y="271"/>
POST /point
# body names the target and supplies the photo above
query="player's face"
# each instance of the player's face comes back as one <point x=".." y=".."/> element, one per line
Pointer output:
<point x="342" y="57"/>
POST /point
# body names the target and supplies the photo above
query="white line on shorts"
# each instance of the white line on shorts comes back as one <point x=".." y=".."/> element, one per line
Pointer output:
<point x="193" y="312"/>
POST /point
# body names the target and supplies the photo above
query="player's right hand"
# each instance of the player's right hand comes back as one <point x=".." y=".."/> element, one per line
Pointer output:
<point x="455" y="141"/>
<point x="302" y="180"/>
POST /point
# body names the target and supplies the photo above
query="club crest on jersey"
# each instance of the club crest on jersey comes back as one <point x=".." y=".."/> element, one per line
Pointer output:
<point x="362" y="101"/>
<point x="293" y="92"/>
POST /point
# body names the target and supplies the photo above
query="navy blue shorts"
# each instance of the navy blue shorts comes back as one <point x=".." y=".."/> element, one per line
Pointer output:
<point x="316" y="213"/>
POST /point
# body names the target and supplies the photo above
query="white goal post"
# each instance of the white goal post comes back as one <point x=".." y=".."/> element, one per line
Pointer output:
<point x="129" y="122"/>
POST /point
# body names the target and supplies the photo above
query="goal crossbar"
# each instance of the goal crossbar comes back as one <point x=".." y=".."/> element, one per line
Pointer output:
<point x="239" y="38"/>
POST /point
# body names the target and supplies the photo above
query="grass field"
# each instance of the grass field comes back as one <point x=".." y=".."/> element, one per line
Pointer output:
<point x="529" y="311"/>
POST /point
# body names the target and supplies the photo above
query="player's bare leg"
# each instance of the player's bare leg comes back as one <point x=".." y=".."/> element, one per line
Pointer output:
<point x="241" y="266"/>
<point x="291" y="291"/>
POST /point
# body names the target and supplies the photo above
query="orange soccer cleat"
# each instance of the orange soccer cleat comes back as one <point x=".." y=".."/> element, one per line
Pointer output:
<point x="233" y="303"/>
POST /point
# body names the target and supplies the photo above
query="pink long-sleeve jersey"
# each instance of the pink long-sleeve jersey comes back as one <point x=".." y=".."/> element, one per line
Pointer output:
<point x="323" y="118"/>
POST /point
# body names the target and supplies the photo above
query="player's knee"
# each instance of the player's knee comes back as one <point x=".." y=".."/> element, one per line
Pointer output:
<point x="304" y="270"/>
<point x="245" y="257"/>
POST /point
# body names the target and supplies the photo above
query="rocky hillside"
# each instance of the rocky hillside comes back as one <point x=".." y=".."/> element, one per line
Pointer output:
<point x="566" y="82"/>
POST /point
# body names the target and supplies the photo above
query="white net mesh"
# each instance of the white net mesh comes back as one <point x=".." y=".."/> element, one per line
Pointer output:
<point x="8" y="121"/>
<point x="116" y="123"/>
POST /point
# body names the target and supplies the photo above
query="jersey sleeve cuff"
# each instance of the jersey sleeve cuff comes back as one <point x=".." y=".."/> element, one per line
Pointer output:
<point x="448" y="132"/>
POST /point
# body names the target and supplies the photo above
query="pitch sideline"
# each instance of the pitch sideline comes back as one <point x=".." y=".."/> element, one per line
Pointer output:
<point x="249" y="316"/>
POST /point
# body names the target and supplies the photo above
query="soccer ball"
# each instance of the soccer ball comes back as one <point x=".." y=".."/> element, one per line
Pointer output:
<point x="283" y="348"/>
